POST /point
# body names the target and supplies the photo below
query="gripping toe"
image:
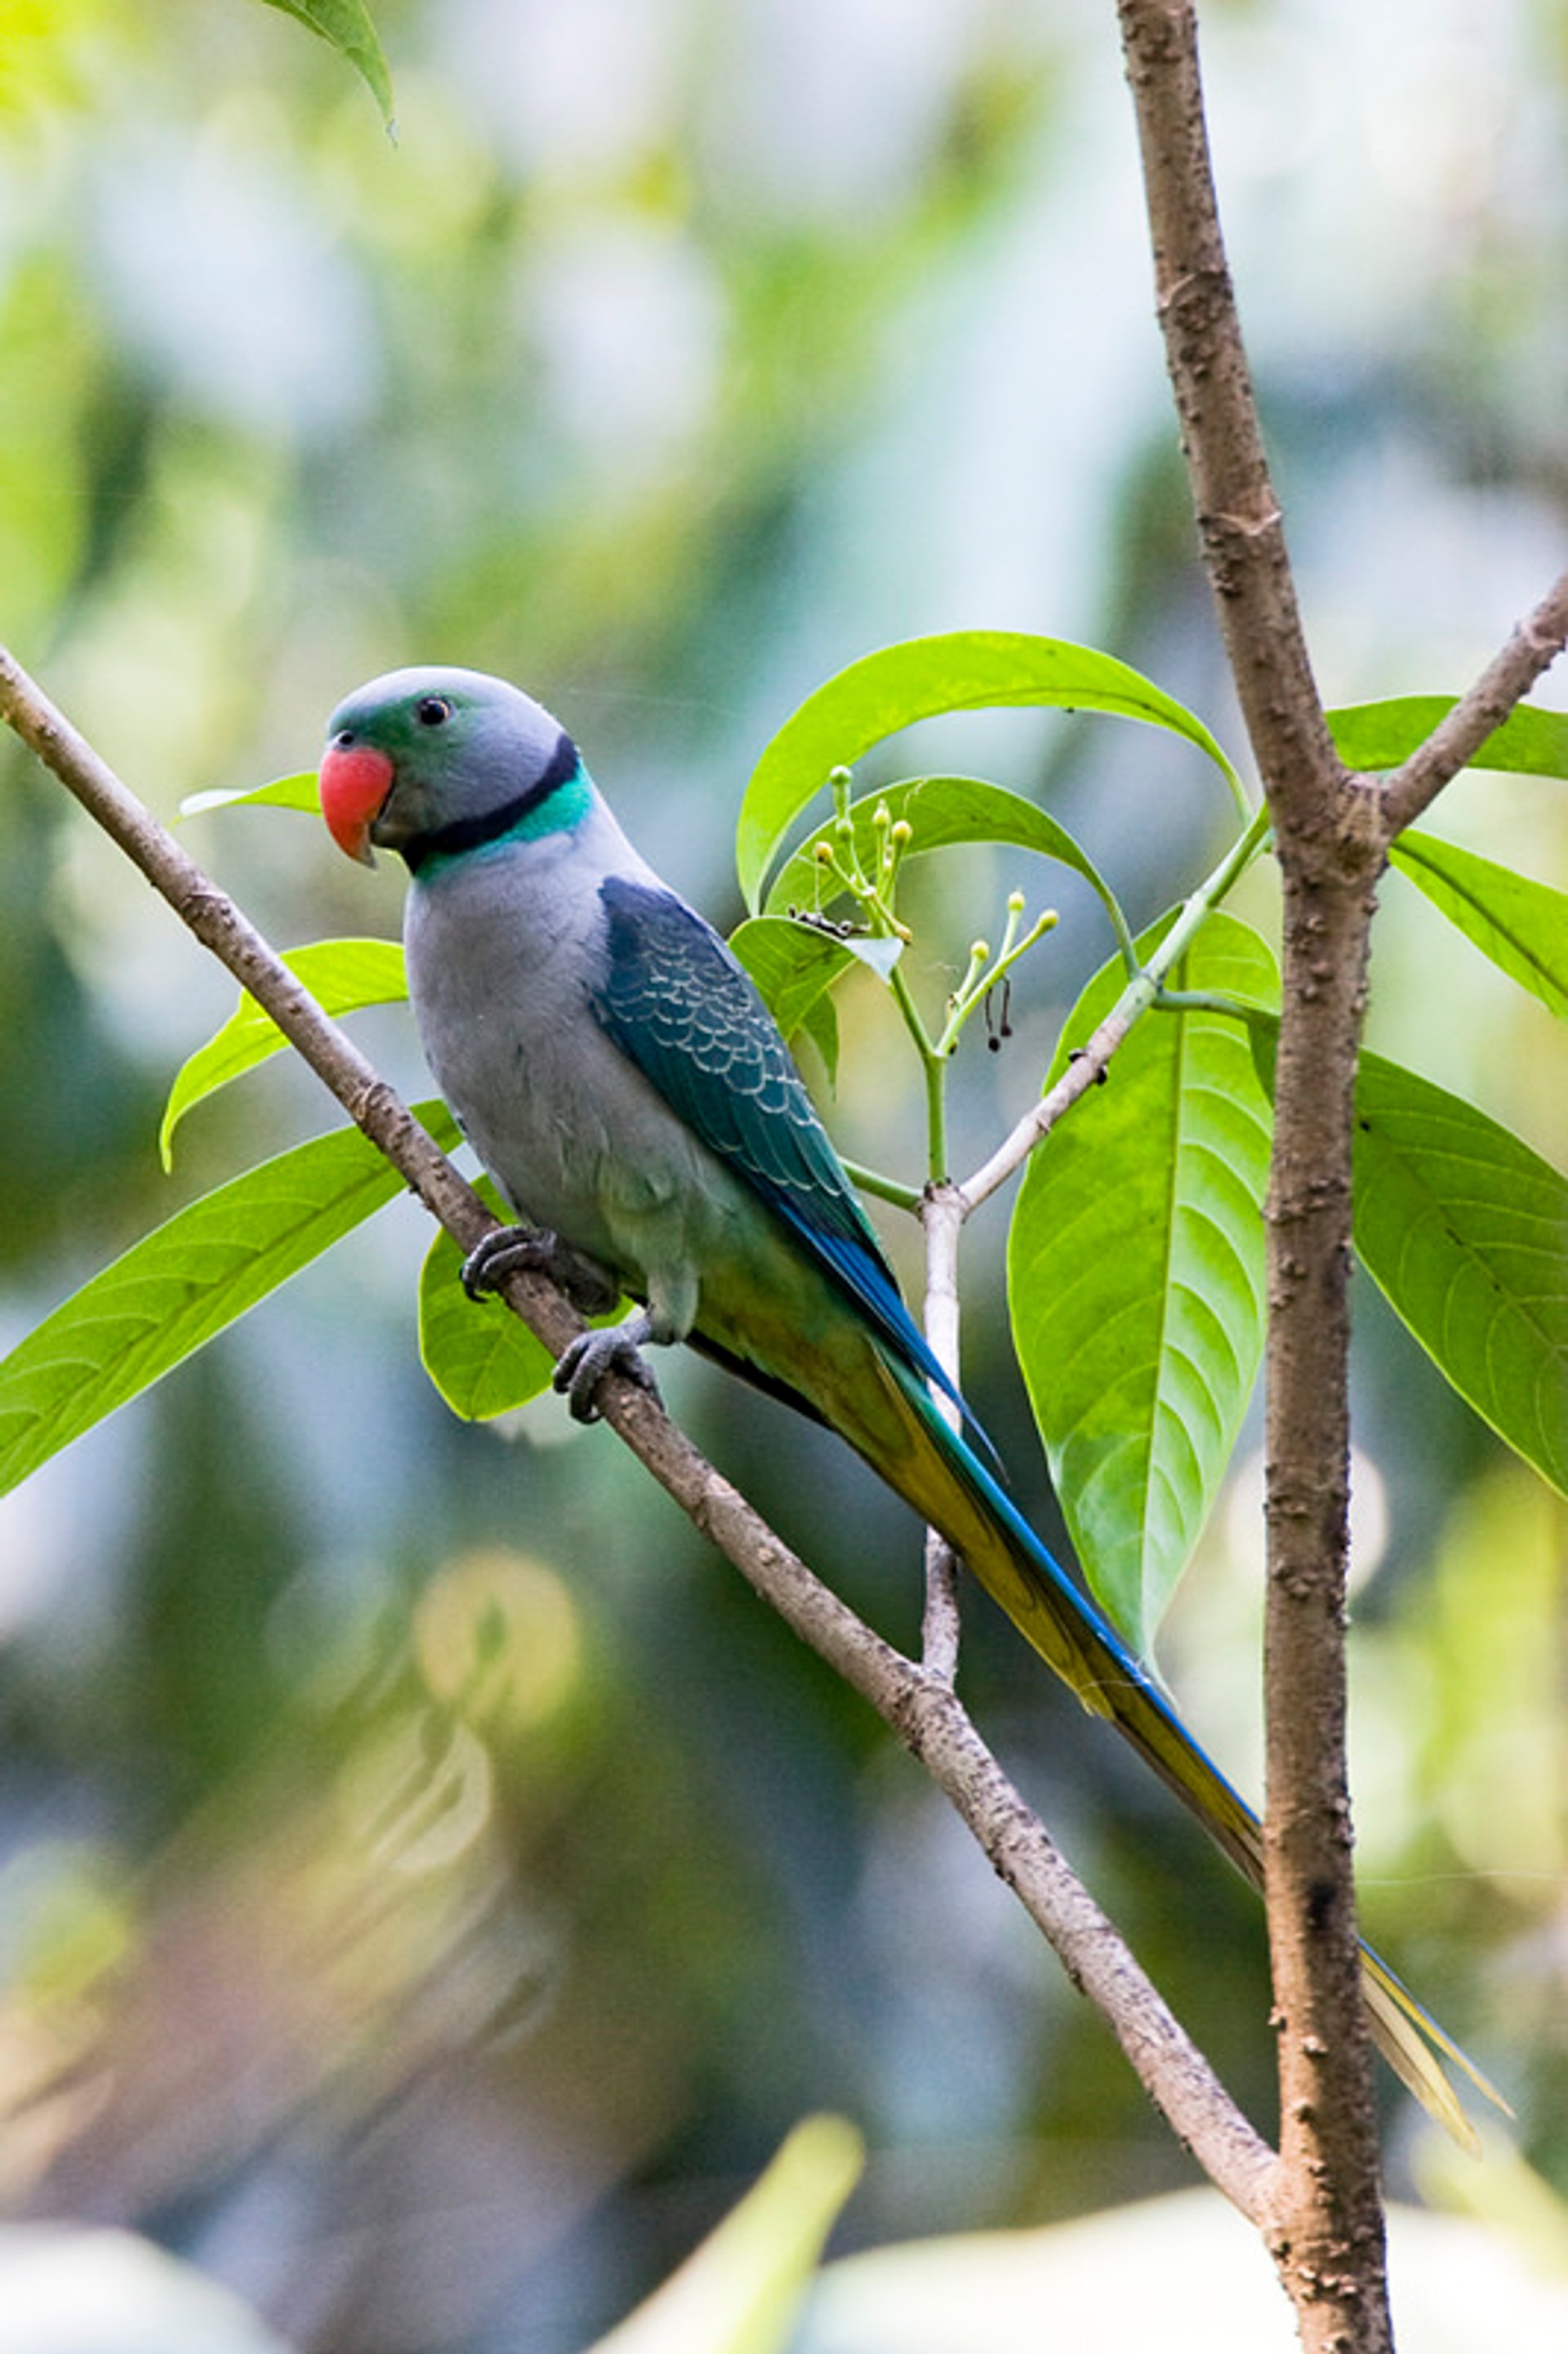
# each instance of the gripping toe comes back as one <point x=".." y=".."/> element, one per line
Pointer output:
<point x="591" y="1355"/>
<point x="501" y="1252"/>
<point x="591" y="1288"/>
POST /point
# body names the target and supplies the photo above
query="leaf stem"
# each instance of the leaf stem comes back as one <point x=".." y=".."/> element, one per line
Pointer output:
<point x="933" y="1068"/>
<point x="1148" y="987"/>
<point x="885" y="1189"/>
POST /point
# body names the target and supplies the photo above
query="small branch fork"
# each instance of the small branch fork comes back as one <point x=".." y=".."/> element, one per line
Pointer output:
<point x="1332" y="831"/>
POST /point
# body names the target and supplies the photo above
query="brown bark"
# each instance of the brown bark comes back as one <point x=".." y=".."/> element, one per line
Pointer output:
<point x="1331" y="832"/>
<point x="1327" y="2233"/>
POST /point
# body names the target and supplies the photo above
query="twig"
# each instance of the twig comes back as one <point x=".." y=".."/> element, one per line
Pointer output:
<point x="1085" y="1070"/>
<point x="920" y="1707"/>
<point x="1532" y="648"/>
<point x="1088" y="1065"/>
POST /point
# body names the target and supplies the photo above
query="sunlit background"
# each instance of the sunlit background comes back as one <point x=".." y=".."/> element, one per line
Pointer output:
<point x="430" y="1886"/>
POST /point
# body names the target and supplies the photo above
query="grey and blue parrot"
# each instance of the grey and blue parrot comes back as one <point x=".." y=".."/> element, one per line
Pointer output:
<point x="629" y="1092"/>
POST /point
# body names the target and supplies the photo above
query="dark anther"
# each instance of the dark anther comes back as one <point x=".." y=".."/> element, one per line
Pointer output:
<point x="998" y="1026"/>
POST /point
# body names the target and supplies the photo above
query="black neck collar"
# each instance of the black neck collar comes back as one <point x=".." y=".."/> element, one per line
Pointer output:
<point x="472" y="833"/>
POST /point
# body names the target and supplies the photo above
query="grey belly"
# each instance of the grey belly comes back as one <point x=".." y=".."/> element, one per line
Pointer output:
<point x="581" y="1144"/>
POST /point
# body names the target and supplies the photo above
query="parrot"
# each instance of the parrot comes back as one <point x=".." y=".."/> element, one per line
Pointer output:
<point x="620" y="1077"/>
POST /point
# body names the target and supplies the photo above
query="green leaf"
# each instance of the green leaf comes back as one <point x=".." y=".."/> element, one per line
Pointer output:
<point x="940" y="811"/>
<point x="965" y="670"/>
<point x="1531" y="742"/>
<point x="297" y="793"/>
<point x="482" y="1359"/>
<point x="1136" y="1273"/>
<point x="1464" y="1231"/>
<point x="740" y="2292"/>
<point x="794" y="967"/>
<point x="181" y="1285"/>
<point x="341" y="975"/>
<point x="346" y="26"/>
<point x="1521" y="924"/>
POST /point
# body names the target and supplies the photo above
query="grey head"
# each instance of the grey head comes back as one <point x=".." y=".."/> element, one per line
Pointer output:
<point x="432" y="761"/>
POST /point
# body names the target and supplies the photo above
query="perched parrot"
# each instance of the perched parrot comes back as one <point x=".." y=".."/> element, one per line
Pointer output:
<point x="629" y="1092"/>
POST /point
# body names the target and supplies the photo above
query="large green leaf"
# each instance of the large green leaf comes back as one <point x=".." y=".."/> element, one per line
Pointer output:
<point x="939" y="812"/>
<point x="300" y="792"/>
<point x="965" y="670"/>
<point x="341" y="975"/>
<point x="1465" y="1230"/>
<point x="1521" y="924"/>
<point x="1374" y="736"/>
<point x="181" y="1284"/>
<point x="1136" y="1273"/>
<point x="347" y="26"/>
<point x="483" y="1361"/>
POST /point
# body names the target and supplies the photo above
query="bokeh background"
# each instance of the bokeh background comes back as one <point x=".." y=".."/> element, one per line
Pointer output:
<point x="430" y="1886"/>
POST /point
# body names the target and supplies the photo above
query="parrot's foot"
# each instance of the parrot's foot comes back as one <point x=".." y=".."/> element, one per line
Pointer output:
<point x="593" y="1354"/>
<point x="506" y="1249"/>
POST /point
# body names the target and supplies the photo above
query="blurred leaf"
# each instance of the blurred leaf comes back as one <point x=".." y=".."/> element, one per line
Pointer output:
<point x="482" y="1359"/>
<point x="1529" y="742"/>
<point x="346" y="25"/>
<point x="1521" y="924"/>
<point x="740" y="2291"/>
<point x="1464" y="1231"/>
<point x="47" y="380"/>
<point x="1136" y="1273"/>
<point x="940" y="810"/>
<point x="181" y="1285"/>
<point x="341" y="975"/>
<point x="297" y="793"/>
<point x="965" y="670"/>
<point x="794" y="967"/>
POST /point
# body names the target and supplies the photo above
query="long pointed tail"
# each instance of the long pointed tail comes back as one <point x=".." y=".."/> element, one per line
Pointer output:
<point x="941" y="1476"/>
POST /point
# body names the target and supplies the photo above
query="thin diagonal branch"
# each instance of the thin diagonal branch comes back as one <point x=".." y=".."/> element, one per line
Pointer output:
<point x="1087" y="1066"/>
<point x="1533" y="646"/>
<point x="921" y="1708"/>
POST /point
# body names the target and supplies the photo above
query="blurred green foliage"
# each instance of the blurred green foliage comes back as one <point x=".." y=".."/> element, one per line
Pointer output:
<point x="429" y="1886"/>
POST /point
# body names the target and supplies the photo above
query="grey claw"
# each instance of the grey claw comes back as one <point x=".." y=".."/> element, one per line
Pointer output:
<point x="591" y="1288"/>
<point x="501" y="1253"/>
<point x="584" y="1364"/>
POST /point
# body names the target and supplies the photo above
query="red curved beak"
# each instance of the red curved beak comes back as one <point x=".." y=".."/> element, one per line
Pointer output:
<point x="353" y="785"/>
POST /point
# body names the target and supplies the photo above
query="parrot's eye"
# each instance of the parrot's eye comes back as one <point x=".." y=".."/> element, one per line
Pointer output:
<point x="433" y="711"/>
<point x="343" y="739"/>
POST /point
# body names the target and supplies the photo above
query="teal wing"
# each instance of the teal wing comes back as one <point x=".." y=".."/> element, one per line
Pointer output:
<point x="680" y="1006"/>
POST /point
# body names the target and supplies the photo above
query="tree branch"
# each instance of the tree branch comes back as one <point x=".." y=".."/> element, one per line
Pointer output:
<point x="1328" y="2234"/>
<point x="920" y="1707"/>
<point x="1240" y="523"/>
<point x="1532" y="648"/>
